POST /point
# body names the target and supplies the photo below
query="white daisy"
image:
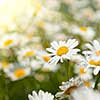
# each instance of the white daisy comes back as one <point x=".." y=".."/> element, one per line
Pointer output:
<point x="16" y="72"/>
<point x="9" y="41"/>
<point x="44" y="58"/>
<point x="26" y="53"/>
<point x="94" y="62"/>
<point x="82" y="71"/>
<point x="86" y="32"/>
<point x="77" y="58"/>
<point x="69" y="86"/>
<point x="35" y="65"/>
<point x="89" y="84"/>
<point x="93" y="56"/>
<point x="85" y="94"/>
<point x="62" y="50"/>
<point x="41" y="96"/>
<point x="5" y="65"/>
<point x="94" y="48"/>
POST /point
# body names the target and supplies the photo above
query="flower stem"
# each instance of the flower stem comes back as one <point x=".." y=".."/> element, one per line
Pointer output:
<point x="97" y="81"/>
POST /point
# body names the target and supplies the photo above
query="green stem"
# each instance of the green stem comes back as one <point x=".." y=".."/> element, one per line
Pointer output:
<point x="97" y="80"/>
<point x="68" y="69"/>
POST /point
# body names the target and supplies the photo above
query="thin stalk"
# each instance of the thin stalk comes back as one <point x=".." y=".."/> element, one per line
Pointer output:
<point x="97" y="81"/>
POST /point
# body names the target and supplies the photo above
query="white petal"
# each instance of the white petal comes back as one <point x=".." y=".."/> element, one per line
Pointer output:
<point x="30" y="97"/>
<point x="96" y="71"/>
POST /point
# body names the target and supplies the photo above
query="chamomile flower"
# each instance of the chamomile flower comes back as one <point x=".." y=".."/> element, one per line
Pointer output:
<point x="86" y="32"/>
<point x="93" y="56"/>
<point x="18" y="72"/>
<point x="26" y="52"/>
<point x="77" y="58"/>
<point x="9" y="41"/>
<point x="62" y="50"/>
<point x="94" y="48"/>
<point x="94" y="62"/>
<point x="82" y="71"/>
<point x="35" y="65"/>
<point x="5" y="65"/>
<point x="41" y="96"/>
<point x="25" y="55"/>
<point x="85" y="94"/>
<point x="69" y="86"/>
<point x="89" y="84"/>
<point x="44" y="58"/>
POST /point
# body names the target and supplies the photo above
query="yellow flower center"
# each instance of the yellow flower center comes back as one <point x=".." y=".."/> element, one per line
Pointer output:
<point x="29" y="53"/>
<point x="46" y="58"/>
<point x="62" y="50"/>
<point x="98" y="53"/>
<point x="82" y="71"/>
<point x="5" y="64"/>
<point x="83" y="29"/>
<point x="8" y="42"/>
<point x="19" y="73"/>
<point x="87" y="83"/>
<point x="93" y="62"/>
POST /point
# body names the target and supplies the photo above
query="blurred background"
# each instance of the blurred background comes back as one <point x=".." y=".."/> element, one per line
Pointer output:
<point x="27" y="27"/>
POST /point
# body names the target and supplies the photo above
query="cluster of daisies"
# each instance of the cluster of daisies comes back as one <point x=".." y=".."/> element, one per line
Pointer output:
<point x="82" y="86"/>
<point x="25" y="49"/>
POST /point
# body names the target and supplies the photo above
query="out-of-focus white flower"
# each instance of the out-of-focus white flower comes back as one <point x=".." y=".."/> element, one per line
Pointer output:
<point x="83" y="72"/>
<point x="9" y="41"/>
<point x="62" y="50"/>
<point x="44" y="58"/>
<point x="85" y="94"/>
<point x="41" y="96"/>
<point x="86" y="32"/>
<point x="5" y="65"/>
<point x="77" y="58"/>
<point x="26" y="53"/>
<point x="89" y="84"/>
<point x="16" y="72"/>
<point x="93" y="56"/>
<point x="26" y="56"/>
<point x="35" y="65"/>
<point x="94" y="48"/>
<point x="69" y="86"/>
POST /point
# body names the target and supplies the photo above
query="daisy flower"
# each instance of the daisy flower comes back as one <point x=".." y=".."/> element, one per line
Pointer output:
<point x="85" y="94"/>
<point x="44" y="58"/>
<point x="94" y="62"/>
<point x="89" y="83"/>
<point x="77" y="58"/>
<point x="94" y="48"/>
<point x="83" y="72"/>
<point x="5" y="65"/>
<point x="93" y="56"/>
<point x="16" y="72"/>
<point x="9" y="41"/>
<point x="86" y="32"/>
<point x="69" y="86"/>
<point x="35" y="65"/>
<point x="62" y="50"/>
<point x="41" y="96"/>
<point x="26" y="53"/>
